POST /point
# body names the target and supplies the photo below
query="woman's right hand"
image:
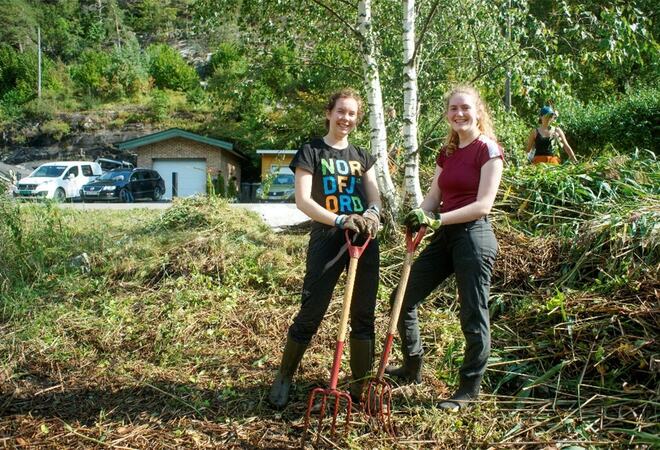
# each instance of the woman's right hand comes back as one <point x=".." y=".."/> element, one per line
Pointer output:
<point x="417" y="218"/>
<point x="353" y="222"/>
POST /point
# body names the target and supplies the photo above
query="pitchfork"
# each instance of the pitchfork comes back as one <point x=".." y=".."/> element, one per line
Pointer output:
<point x="354" y="252"/>
<point x="378" y="401"/>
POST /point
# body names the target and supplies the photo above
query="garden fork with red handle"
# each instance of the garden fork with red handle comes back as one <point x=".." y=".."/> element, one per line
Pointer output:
<point x="327" y="395"/>
<point x="378" y="402"/>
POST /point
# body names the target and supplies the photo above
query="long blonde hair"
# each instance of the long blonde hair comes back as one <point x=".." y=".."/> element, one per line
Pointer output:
<point x="484" y="123"/>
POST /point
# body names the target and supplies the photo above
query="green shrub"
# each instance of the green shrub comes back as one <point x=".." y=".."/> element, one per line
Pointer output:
<point x="121" y="73"/>
<point x="40" y="109"/>
<point x="159" y="105"/>
<point x="169" y="70"/>
<point x="196" y="96"/>
<point x="90" y="73"/>
<point x="128" y="72"/>
<point x="511" y="132"/>
<point x="18" y="79"/>
<point x="623" y="124"/>
<point x="56" y="128"/>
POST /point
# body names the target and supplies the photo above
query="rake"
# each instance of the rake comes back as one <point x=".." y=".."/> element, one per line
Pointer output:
<point x="378" y="402"/>
<point x="331" y="395"/>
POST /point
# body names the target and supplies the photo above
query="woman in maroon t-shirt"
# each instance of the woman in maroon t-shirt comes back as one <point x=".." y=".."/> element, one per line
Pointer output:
<point x="467" y="175"/>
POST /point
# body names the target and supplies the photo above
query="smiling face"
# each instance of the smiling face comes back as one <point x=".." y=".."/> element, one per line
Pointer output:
<point x="462" y="113"/>
<point x="343" y="117"/>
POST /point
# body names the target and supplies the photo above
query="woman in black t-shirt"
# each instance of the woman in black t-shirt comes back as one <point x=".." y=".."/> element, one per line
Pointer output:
<point x="336" y="187"/>
<point x="543" y="141"/>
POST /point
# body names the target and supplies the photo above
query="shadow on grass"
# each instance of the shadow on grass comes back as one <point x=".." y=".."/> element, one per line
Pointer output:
<point x="162" y="400"/>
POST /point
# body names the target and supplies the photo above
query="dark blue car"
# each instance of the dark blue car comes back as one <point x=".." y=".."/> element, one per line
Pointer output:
<point x="125" y="185"/>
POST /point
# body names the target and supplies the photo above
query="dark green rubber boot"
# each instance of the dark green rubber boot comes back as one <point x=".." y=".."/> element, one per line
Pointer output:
<point x="409" y="373"/>
<point x="362" y="361"/>
<point x="279" y="391"/>
<point x="468" y="391"/>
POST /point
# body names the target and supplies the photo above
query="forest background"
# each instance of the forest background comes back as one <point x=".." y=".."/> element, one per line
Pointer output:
<point x="169" y="332"/>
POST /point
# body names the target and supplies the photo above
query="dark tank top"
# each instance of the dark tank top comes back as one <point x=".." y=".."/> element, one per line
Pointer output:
<point x="543" y="145"/>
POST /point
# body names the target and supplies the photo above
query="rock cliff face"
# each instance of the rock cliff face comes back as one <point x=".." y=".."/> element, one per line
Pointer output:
<point x="89" y="136"/>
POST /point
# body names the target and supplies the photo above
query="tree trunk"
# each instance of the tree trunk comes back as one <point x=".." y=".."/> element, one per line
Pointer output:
<point x="376" y="114"/>
<point x="412" y="191"/>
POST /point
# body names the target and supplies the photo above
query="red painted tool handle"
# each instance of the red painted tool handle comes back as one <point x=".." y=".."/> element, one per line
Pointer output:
<point x="336" y="364"/>
<point x="412" y="243"/>
<point x="355" y="251"/>
<point x="387" y="349"/>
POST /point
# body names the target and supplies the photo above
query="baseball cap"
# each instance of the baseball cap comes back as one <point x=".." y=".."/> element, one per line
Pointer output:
<point x="547" y="110"/>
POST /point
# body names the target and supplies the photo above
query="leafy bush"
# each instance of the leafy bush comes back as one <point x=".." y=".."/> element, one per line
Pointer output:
<point x="56" y="128"/>
<point x="128" y="70"/>
<point x="511" y="132"/>
<point x="159" y="105"/>
<point x="90" y="72"/>
<point x="40" y="109"/>
<point x="119" y="74"/>
<point x="169" y="69"/>
<point x="624" y="123"/>
<point x="18" y="78"/>
<point x="543" y="196"/>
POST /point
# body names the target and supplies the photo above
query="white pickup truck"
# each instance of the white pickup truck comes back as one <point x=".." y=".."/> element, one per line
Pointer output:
<point x="60" y="180"/>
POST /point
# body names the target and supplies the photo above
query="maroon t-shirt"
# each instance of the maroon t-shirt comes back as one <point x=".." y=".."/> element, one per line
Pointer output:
<point x="461" y="172"/>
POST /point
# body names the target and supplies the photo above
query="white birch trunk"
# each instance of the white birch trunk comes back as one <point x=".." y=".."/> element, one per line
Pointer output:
<point x="376" y="114"/>
<point x="412" y="196"/>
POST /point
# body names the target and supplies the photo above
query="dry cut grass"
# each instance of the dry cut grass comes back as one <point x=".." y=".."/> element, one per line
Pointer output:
<point x="173" y="336"/>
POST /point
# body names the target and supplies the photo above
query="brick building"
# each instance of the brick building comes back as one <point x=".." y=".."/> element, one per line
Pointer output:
<point x="185" y="159"/>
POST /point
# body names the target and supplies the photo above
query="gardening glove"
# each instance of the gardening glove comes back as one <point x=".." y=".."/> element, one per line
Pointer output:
<point x="372" y="220"/>
<point x="353" y="222"/>
<point x="417" y="218"/>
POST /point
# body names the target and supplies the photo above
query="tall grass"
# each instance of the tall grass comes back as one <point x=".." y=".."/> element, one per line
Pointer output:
<point x="176" y="327"/>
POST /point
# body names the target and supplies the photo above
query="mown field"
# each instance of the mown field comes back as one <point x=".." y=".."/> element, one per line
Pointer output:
<point x="168" y="333"/>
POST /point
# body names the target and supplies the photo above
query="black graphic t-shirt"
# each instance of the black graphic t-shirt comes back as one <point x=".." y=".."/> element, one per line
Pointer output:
<point x="337" y="183"/>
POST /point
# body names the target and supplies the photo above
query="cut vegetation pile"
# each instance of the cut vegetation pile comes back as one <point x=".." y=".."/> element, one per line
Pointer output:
<point x="169" y="333"/>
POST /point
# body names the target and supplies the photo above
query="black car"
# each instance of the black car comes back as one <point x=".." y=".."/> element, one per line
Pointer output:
<point x="124" y="185"/>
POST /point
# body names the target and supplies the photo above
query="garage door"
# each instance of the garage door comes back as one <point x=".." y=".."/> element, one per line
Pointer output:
<point x="183" y="177"/>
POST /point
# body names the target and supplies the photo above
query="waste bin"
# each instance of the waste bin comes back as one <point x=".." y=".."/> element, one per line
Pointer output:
<point x="249" y="192"/>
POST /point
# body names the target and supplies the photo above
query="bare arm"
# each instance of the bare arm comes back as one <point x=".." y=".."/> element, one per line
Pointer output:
<point x="371" y="188"/>
<point x="530" y="141"/>
<point x="489" y="181"/>
<point x="567" y="148"/>
<point x="432" y="200"/>
<point x="304" y="200"/>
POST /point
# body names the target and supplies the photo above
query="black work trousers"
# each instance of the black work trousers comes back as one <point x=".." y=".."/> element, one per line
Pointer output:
<point x="327" y="258"/>
<point x="467" y="250"/>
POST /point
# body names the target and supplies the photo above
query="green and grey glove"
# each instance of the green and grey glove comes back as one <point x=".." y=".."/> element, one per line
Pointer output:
<point x="353" y="222"/>
<point x="417" y="218"/>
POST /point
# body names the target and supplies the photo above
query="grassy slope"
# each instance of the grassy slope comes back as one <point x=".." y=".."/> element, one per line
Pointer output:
<point x="172" y="337"/>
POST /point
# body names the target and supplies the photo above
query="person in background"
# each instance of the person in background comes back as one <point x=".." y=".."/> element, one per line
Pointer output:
<point x="543" y="141"/>
<point x="467" y="176"/>
<point x="336" y="187"/>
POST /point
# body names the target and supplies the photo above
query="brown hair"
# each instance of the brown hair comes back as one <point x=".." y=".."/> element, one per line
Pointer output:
<point x="484" y="123"/>
<point x="345" y="93"/>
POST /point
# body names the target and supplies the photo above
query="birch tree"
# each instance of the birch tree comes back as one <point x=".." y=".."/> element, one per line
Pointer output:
<point x="376" y="111"/>
<point x="412" y="191"/>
